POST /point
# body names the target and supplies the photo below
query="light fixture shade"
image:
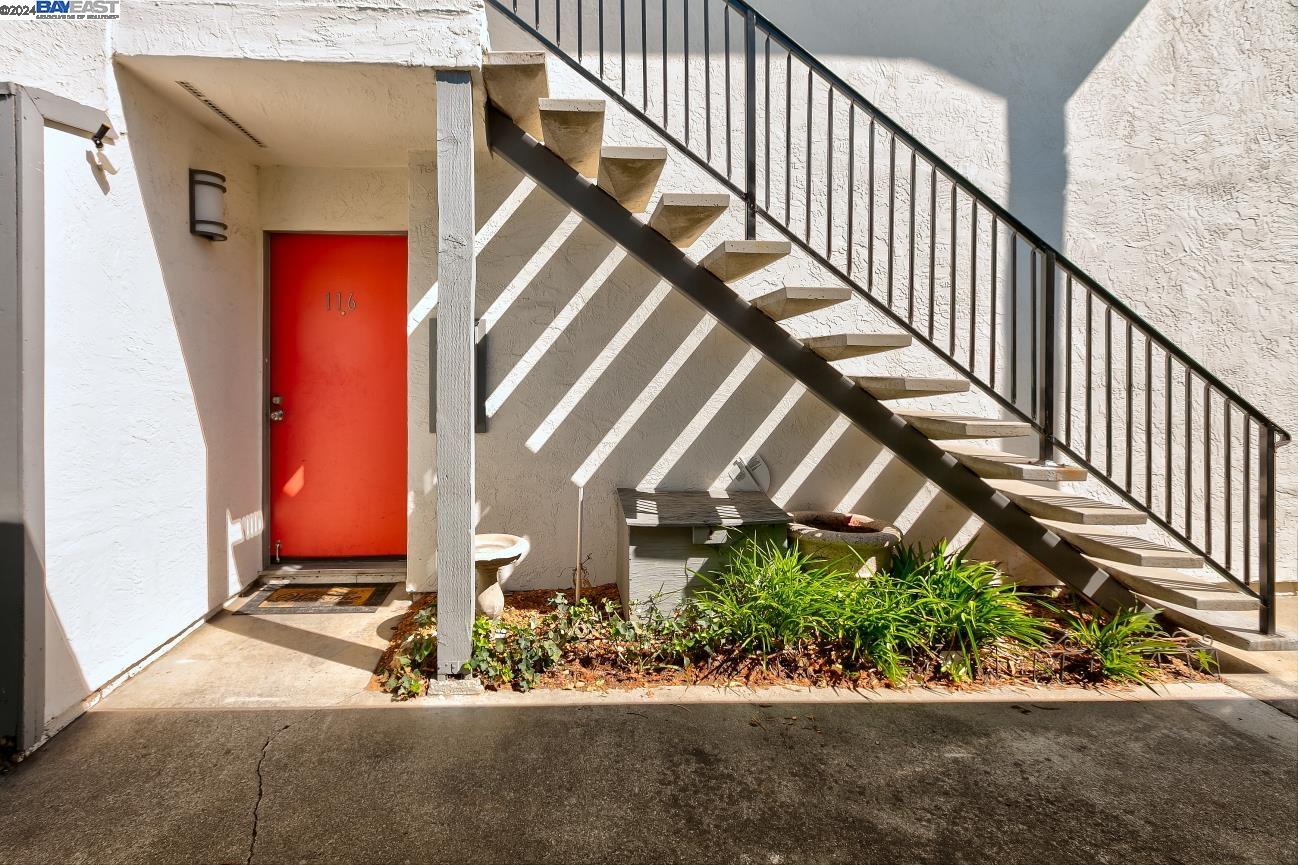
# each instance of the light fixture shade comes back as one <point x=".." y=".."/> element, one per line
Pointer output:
<point x="207" y="204"/>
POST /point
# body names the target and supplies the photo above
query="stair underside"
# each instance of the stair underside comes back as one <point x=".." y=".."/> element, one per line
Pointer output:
<point x="682" y="217"/>
<point x="734" y="259"/>
<point x="1058" y="505"/>
<point x="909" y="386"/>
<point x="630" y="174"/>
<point x="842" y="346"/>
<point x="1106" y="543"/>
<point x="993" y="465"/>
<point x="937" y="425"/>
<point x="516" y="81"/>
<point x="1190" y="590"/>
<point x="798" y="300"/>
<point x="1233" y="628"/>
<point x="574" y="130"/>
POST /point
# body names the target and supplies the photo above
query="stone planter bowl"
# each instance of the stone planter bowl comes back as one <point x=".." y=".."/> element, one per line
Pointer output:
<point x="851" y="539"/>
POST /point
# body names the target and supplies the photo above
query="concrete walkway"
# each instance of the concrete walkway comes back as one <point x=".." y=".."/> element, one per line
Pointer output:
<point x="256" y="740"/>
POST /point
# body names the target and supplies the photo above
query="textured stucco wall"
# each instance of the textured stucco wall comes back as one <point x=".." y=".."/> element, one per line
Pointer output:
<point x="153" y="415"/>
<point x="1153" y="141"/>
<point x="298" y="198"/>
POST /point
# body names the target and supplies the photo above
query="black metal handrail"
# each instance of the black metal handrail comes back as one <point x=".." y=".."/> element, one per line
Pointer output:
<point x="1011" y="295"/>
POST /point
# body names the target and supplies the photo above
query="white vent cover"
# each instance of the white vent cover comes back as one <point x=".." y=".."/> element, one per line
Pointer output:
<point x="219" y="111"/>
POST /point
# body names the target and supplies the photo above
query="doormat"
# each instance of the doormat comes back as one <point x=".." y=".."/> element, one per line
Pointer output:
<point x="282" y="599"/>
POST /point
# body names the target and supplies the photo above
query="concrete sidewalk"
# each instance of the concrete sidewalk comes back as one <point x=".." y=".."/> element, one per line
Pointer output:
<point x="1210" y="780"/>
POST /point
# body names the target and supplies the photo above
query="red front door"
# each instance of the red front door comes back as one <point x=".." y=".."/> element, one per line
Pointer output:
<point x="337" y="397"/>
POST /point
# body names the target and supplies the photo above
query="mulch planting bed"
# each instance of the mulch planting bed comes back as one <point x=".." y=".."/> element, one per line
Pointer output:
<point x="593" y="664"/>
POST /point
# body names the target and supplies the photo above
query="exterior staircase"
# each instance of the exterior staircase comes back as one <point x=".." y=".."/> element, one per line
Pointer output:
<point x="1085" y="542"/>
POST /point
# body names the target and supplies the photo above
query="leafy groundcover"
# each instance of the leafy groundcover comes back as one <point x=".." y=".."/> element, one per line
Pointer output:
<point x="774" y="616"/>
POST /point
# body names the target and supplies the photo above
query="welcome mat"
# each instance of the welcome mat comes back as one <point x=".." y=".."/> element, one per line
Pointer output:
<point x="316" y="598"/>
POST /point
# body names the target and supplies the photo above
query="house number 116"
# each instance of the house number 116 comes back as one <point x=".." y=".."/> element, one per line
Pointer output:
<point x="343" y="308"/>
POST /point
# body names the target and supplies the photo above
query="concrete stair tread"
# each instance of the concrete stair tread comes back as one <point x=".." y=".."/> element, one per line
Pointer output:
<point x="516" y="81"/>
<point x="991" y="464"/>
<point x="1235" y="628"/>
<point x="514" y="58"/>
<point x="1195" y="591"/>
<point x="682" y="217"/>
<point x="630" y="174"/>
<point x="841" y="346"/>
<point x="1107" y="543"/>
<point x="1053" y="504"/>
<point x="735" y="259"/>
<point x="574" y="130"/>
<point x="908" y="386"/>
<point x="939" y="425"/>
<point x="799" y="299"/>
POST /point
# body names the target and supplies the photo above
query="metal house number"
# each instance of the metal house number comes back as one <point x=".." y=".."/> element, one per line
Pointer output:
<point x="335" y="299"/>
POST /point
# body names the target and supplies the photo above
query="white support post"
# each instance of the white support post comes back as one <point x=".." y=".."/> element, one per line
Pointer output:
<point x="455" y="399"/>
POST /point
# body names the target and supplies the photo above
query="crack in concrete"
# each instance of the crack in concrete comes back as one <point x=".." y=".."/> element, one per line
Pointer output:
<point x="256" y="807"/>
<point x="261" y="758"/>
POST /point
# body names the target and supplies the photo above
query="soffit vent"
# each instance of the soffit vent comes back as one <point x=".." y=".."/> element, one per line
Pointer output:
<point x="219" y="111"/>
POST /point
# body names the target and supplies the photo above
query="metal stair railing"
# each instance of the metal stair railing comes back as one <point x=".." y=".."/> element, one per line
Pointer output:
<point x="826" y="169"/>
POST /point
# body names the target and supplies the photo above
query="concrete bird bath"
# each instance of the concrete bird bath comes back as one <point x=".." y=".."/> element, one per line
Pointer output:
<point x="836" y="537"/>
<point x="494" y="557"/>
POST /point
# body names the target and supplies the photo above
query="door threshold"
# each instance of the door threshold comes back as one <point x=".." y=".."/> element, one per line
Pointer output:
<point x="339" y="571"/>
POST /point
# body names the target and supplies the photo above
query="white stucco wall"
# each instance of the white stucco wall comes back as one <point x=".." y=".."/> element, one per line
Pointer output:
<point x="153" y="399"/>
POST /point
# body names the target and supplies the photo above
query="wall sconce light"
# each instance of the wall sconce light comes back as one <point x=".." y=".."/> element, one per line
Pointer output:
<point x="207" y="204"/>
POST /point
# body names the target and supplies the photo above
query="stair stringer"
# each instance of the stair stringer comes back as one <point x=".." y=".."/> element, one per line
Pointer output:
<point x="818" y="375"/>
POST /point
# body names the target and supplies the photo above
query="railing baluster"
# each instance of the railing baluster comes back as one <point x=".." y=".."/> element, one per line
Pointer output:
<point x="1090" y="370"/>
<point x="644" y="56"/>
<point x="685" y="49"/>
<point x="995" y="305"/>
<point x="788" y="139"/>
<point x="869" y="228"/>
<point x="1047" y="453"/>
<point x="1227" y="440"/>
<point x="725" y="19"/>
<point x="1247" y="493"/>
<point x="1266" y="529"/>
<point x="1014" y="318"/>
<point x="621" y="40"/>
<point x="1108" y="391"/>
<point x="1189" y="456"/>
<point x="851" y="183"/>
<point x="829" y="175"/>
<point x="707" y="77"/>
<point x="892" y="207"/>
<point x="1167" y="438"/>
<point x="1127" y="431"/>
<point x="954" y="240"/>
<point x="1035" y="366"/>
<point x="973" y="280"/>
<point x="579" y="29"/>
<point x="1068" y="358"/>
<point x="1149" y="421"/>
<point x="766" y="118"/>
<point x="1207" y="468"/>
<point x="806" y="189"/>
<point x="666" y="94"/>
<point x="910" y="246"/>
<point x="932" y="248"/>
<point x="750" y="124"/>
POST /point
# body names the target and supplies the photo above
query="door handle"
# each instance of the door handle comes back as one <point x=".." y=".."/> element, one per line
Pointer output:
<point x="277" y="415"/>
